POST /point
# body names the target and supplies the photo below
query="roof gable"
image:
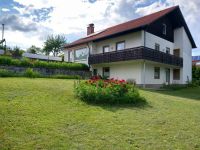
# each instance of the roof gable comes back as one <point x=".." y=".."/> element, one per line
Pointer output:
<point x="137" y="24"/>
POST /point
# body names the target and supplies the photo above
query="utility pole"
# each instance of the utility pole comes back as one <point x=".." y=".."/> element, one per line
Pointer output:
<point x="2" y="33"/>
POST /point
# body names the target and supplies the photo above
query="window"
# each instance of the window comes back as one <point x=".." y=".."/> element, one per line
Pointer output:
<point x="176" y="74"/>
<point x="106" y="49"/>
<point x="106" y="72"/>
<point x="81" y="54"/>
<point x="94" y="72"/>
<point x="120" y="45"/>
<point x="177" y="52"/>
<point x="164" y="28"/>
<point x="70" y="56"/>
<point x="157" y="46"/>
<point x="156" y="73"/>
<point x="167" y="50"/>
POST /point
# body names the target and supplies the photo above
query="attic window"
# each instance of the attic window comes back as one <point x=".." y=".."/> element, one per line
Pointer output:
<point x="164" y="28"/>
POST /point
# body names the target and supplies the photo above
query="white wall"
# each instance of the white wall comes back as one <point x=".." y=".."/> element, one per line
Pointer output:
<point x="131" y="40"/>
<point x="182" y="42"/>
<point x="152" y="39"/>
<point x="123" y="70"/>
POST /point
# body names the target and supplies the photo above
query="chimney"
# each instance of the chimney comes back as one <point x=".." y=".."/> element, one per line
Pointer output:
<point x="90" y="29"/>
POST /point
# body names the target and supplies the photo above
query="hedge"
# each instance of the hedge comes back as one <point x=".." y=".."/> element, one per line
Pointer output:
<point x="25" y="62"/>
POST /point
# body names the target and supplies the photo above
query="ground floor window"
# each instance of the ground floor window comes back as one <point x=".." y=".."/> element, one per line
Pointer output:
<point x="106" y="72"/>
<point x="176" y="74"/>
<point x="156" y="73"/>
<point x="94" y="72"/>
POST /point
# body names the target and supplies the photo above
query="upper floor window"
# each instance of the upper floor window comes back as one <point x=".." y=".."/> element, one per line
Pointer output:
<point x="164" y="29"/>
<point x="157" y="46"/>
<point x="120" y="45"/>
<point x="177" y="52"/>
<point x="167" y="50"/>
<point x="106" y="49"/>
<point x="81" y="54"/>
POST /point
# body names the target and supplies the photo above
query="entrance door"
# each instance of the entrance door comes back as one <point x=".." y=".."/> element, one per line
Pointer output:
<point x="167" y="75"/>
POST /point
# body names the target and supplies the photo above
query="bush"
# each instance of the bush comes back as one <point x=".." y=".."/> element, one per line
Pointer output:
<point x="6" y="73"/>
<point x="107" y="91"/>
<point x="60" y="76"/>
<point x="25" y="62"/>
<point x="30" y="73"/>
<point x="174" y="86"/>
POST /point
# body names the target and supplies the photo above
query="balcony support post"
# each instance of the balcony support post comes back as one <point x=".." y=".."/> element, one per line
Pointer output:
<point x="144" y="73"/>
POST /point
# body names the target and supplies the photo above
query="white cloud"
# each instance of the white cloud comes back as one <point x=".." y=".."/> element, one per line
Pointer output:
<point x="5" y="9"/>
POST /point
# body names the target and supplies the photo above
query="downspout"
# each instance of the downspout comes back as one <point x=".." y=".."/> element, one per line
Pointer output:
<point x="144" y="63"/>
<point x="88" y="54"/>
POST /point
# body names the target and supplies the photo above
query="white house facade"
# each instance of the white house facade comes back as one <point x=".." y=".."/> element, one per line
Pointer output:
<point x="152" y="50"/>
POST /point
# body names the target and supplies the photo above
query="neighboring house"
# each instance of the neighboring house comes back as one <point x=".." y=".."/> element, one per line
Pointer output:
<point x="196" y="60"/>
<point x="151" y="50"/>
<point x="41" y="57"/>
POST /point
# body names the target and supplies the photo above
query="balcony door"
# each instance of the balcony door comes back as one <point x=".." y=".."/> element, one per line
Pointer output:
<point x="167" y="72"/>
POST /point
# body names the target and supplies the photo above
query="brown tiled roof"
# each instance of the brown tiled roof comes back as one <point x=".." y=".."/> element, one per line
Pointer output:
<point x="130" y="25"/>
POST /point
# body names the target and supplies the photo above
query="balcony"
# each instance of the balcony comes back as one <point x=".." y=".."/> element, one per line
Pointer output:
<point x="136" y="54"/>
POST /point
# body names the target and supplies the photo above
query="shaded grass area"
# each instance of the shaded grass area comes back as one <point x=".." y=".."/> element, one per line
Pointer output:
<point x="43" y="114"/>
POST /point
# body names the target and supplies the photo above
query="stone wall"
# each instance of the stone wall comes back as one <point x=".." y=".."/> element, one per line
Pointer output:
<point x="47" y="71"/>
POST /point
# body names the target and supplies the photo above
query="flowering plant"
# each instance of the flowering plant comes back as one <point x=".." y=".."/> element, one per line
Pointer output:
<point x="111" y="90"/>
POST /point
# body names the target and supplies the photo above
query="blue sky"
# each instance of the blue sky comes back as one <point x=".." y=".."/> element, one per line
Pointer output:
<point x="29" y="22"/>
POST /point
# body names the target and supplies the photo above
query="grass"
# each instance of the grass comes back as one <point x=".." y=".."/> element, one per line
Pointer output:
<point x="43" y="114"/>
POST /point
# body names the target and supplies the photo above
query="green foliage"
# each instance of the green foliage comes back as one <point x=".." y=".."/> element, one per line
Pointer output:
<point x="16" y="52"/>
<point x="30" y="73"/>
<point x="196" y="76"/>
<point x="54" y="44"/>
<point x="6" y="73"/>
<point x="60" y="76"/>
<point x="34" y="50"/>
<point x="25" y="62"/>
<point x="173" y="86"/>
<point x="108" y="91"/>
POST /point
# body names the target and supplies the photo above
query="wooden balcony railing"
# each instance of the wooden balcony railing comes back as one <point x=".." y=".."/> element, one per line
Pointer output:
<point x="136" y="54"/>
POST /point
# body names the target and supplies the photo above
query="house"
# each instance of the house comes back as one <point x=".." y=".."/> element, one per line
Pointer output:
<point x="196" y="60"/>
<point x="151" y="50"/>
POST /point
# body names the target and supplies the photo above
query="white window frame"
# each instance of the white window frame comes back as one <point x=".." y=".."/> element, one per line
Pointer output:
<point x="164" y="29"/>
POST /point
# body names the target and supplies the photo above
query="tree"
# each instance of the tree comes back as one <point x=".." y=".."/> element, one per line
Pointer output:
<point x="54" y="44"/>
<point x="34" y="50"/>
<point x="16" y="52"/>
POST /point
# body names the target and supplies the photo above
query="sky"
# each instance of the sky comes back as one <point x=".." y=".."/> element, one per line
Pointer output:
<point x="29" y="22"/>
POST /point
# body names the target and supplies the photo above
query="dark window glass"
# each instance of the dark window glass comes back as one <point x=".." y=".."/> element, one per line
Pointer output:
<point x="177" y="52"/>
<point x="120" y="46"/>
<point x="157" y="46"/>
<point x="176" y="74"/>
<point x="94" y="72"/>
<point x="106" y="49"/>
<point x="156" y="73"/>
<point x="106" y="72"/>
<point x="167" y="50"/>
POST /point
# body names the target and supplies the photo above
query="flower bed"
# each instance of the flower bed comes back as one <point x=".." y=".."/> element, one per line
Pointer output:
<point x="97" y="90"/>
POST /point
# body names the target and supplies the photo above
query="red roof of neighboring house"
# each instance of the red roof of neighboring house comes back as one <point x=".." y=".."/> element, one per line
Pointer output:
<point x="120" y="28"/>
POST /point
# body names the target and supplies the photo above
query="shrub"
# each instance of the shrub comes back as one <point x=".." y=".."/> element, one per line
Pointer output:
<point x="107" y="91"/>
<point x="25" y="62"/>
<point x="60" y="76"/>
<point x="174" y="86"/>
<point x="30" y="73"/>
<point x="6" y="73"/>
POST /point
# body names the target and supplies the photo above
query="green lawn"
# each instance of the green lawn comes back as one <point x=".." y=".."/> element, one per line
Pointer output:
<point x="43" y="114"/>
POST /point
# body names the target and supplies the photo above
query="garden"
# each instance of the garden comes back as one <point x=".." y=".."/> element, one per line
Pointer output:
<point x="44" y="113"/>
<point x="112" y="91"/>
